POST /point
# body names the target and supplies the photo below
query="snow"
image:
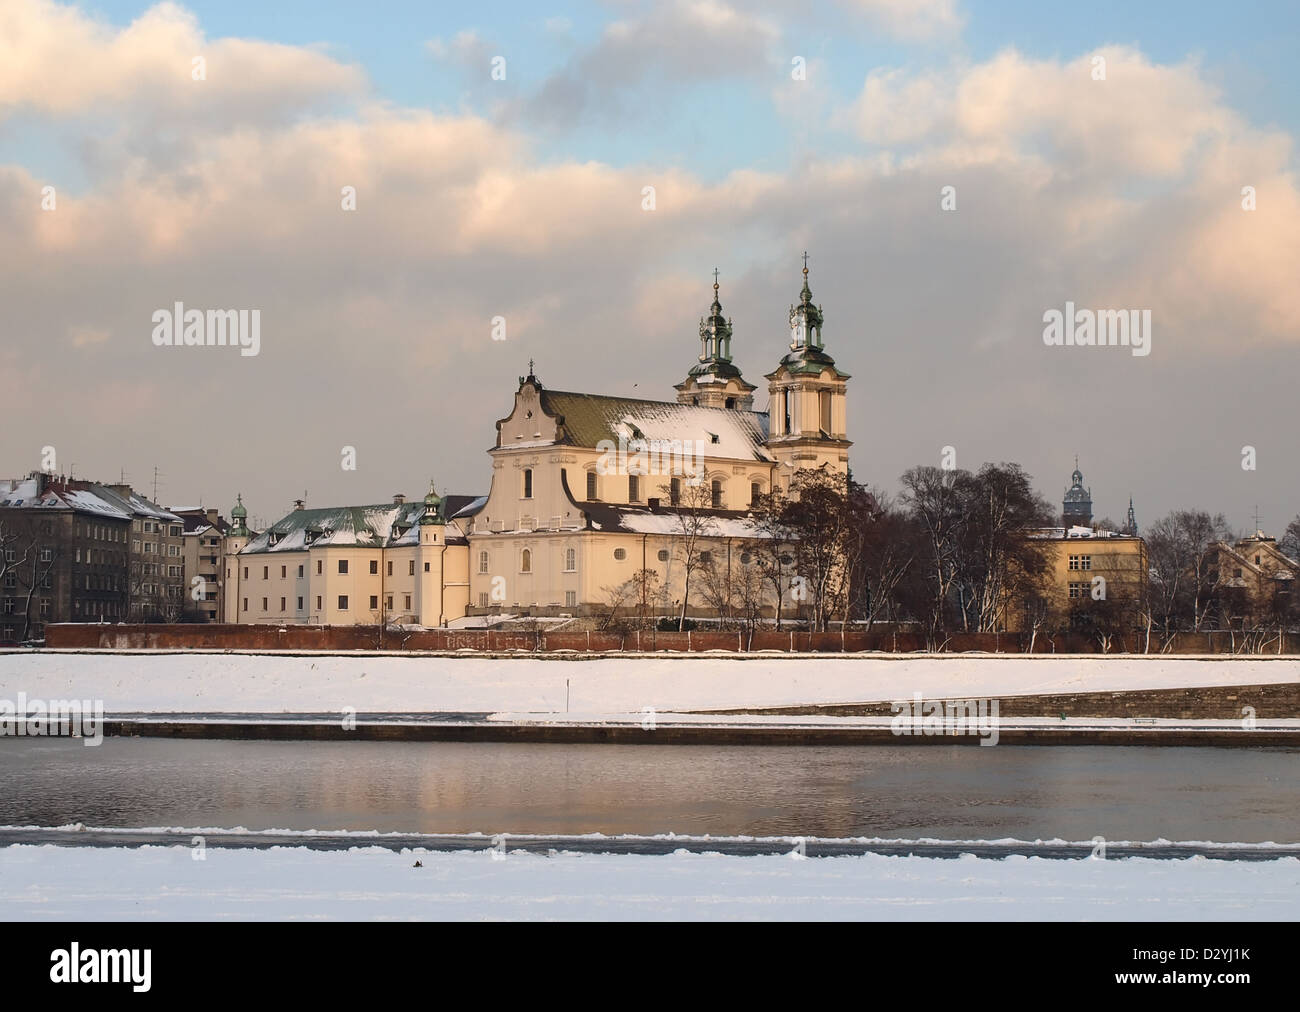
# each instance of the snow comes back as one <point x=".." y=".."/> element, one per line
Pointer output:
<point x="367" y="883"/>
<point x="672" y="524"/>
<point x="279" y="682"/>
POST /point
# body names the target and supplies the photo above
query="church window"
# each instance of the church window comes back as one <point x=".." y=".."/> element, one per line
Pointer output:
<point x="825" y="405"/>
<point x="570" y="560"/>
<point x="633" y="488"/>
<point x="785" y="412"/>
<point x="620" y="554"/>
<point x="343" y="565"/>
<point x="570" y="599"/>
<point x="591" y="484"/>
<point x="528" y="483"/>
<point x="675" y="491"/>
<point x="374" y="567"/>
<point x="731" y="402"/>
<point x="717" y="494"/>
<point x="343" y="602"/>
<point x="706" y="558"/>
<point x="482" y="562"/>
<point x="526" y="562"/>
<point x="663" y="555"/>
<point x="755" y="493"/>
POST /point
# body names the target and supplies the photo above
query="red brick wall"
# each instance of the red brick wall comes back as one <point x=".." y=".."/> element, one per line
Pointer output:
<point x="337" y="638"/>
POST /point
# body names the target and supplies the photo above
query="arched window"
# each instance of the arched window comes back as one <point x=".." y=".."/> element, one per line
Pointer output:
<point x="591" y="485"/>
<point x="528" y="483"/>
<point x="526" y="561"/>
<point x="717" y="494"/>
<point x="824" y="403"/>
<point x="633" y="488"/>
<point x="570" y="560"/>
<point x="755" y="493"/>
<point x="675" y="491"/>
<point x="731" y="402"/>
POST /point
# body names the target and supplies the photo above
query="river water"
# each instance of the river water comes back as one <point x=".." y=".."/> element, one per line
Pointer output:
<point x="1075" y="793"/>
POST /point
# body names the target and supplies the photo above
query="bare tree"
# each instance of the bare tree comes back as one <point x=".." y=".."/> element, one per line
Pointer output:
<point x="694" y="525"/>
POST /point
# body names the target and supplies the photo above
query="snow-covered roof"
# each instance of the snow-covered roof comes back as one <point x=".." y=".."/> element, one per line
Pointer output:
<point x="589" y="419"/>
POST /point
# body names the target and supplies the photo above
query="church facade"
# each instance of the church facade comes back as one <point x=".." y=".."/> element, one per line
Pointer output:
<point x="589" y="493"/>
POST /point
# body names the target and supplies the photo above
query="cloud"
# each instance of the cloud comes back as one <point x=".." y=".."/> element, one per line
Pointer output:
<point x="911" y="19"/>
<point x="665" y="47"/>
<point x="59" y="62"/>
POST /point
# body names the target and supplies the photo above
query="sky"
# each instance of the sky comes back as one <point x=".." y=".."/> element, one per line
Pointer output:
<point x="1098" y="155"/>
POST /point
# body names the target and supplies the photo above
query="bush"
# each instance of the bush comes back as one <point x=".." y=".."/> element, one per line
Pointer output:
<point x="670" y="625"/>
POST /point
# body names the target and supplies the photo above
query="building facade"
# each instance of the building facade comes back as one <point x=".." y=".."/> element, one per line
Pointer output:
<point x="589" y="495"/>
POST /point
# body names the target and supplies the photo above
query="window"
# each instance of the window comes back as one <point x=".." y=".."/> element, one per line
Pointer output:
<point x="717" y="494"/>
<point x="824" y="404"/>
<point x="374" y="567"/>
<point x="591" y="484"/>
<point x="570" y="599"/>
<point x="1078" y="590"/>
<point x="390" y="569"/>
<point x="282" y="603"/>
<point x="570" y="560"/>
<point x="318" y="602"/>
<point x="633" y="488"/>
<point x="675" y="491"/>
<point x="482" y="599"/>
<point x="410" y="568"/>
<point x="343" y="565"/>
<point x="319" y="563"/>
<point x="245" y="572"/>
<point x="731" y="402"/>
<point x="300" y="604"/>
<point x="620" y="554"/>
<point x="374" y="602"/>
<point x="785" y="412"/>
<point x="1078" y="562"/>
<point x="746" y="558"/>
<point x="300" y="577"/>
<point x="482" y="562"/>
<point x="176" y="531"/>
<point x="528" y="483"/>
<point x="266" y="571"/>
<point x="343" y="602"/>
<point x="526" y="561"/>
<point x="426" y="567"/>
<point x="264" y="604"/>
<point x="663" y="555"/>
<point x="755" y="493"/>
<point x="284" y="571"/>
<point x="706" y="558"/>
<point x="407" y="599"/>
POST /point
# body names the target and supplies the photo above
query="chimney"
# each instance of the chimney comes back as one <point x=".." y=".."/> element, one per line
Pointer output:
<point x="299" y="504"/>
<point x="399" y="498"/>
<point x="211" y="514"/>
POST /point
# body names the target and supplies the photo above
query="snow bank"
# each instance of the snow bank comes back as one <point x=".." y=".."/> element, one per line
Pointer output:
<point x="166" y="883"/>
<point x="193" y="682"/>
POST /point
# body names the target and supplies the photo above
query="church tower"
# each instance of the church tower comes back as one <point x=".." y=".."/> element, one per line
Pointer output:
<point x="236" y="538"/>
<point x="808" y="417"/>
<point x="1076" y="508"/>
<point x="715" y="382"/>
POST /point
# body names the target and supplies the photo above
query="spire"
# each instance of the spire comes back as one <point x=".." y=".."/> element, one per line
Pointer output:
<point x="715" y="331"/>
<point x="805" y="318"/>
<point x="239" y="514"/>
<point x="433" y="505"/>
<point x="1132" y="526"/>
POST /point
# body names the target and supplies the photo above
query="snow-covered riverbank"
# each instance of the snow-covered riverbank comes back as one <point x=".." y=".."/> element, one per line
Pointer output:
<point x="193" y="682"/>
<point x="167" y="883"/>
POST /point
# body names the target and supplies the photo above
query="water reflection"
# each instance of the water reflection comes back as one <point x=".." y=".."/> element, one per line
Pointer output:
<point x="944" y="792"/>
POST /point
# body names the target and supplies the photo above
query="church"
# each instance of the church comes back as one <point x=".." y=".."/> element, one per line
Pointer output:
<point x="587" y="491"/>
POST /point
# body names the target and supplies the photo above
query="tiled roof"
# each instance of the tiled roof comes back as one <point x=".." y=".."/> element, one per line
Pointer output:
<point x="382" y="525"/>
